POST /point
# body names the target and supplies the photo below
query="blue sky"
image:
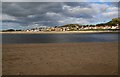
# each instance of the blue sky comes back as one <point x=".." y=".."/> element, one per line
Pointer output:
<point x="23" y="15"/>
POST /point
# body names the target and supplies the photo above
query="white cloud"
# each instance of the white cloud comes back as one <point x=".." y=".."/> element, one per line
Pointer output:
<point x="31" y="16"/>
<point x="52" y="14"/>
<point x="112" y="9"/>
<point x="79" y="10"/>
<point x="113" y="14"/>
<point x="92" y="10"/>
<point x="7" y="17"/>
<point x="98" y="8"/>
<point x="72" y="20"/>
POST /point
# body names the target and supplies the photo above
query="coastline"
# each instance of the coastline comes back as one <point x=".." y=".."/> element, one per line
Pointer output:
<point x="59" y="32"/>
<point x="61" y="59"/>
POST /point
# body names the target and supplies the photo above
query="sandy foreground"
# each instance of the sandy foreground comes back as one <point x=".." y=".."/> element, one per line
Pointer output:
<point x="60" y="59"/>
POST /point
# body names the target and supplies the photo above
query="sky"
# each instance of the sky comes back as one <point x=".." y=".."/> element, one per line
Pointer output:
<point x="25" y="15"/>
<point x="60" y="0"/>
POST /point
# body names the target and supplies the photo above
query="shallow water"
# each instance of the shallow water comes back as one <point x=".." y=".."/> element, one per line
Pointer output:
<point x="59" y="38"/>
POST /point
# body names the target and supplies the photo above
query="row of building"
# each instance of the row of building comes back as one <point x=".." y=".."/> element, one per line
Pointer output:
<point x="75" y="28"/>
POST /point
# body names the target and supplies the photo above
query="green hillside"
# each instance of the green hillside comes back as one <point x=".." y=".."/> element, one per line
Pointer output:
<point x="71" y="25"/>
<point x="113" y="22"/>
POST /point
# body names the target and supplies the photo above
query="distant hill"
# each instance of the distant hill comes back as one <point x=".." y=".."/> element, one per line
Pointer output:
<point x="71" y="25"/>
<point x="113" y="22"/>
<point x="9" y="30"/>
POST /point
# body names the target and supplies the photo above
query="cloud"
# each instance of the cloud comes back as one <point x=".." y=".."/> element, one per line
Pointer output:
<point x="11" y="25"/>
<point x="77" y="11"/>
<point x="110" y="14"/>
<point x="55" y="13"/>
<point x="7" y="17"/>
<point x="109" y="0"/>
<point x="44" y="0"/>
<point x="113" y="9"/>
<point x="60" y="1"/>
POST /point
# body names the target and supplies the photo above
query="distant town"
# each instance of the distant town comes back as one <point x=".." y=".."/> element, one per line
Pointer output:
<point x="113" y="25"/>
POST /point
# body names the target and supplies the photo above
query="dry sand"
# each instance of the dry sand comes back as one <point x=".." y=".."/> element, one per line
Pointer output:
<point x="60" y="59"/>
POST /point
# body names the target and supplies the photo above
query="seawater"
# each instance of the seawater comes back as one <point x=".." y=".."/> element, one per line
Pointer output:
<point x="59" y="38"/>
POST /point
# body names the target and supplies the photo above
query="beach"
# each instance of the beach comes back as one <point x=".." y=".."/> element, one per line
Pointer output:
<point x="90" y="58"/>
<point x="56" y="32"/>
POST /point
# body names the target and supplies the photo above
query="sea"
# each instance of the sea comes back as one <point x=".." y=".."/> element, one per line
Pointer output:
<point x="59" y="38"/>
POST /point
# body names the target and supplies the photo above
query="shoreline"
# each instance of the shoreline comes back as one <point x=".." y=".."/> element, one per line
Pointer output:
<point x="59" y="32"/>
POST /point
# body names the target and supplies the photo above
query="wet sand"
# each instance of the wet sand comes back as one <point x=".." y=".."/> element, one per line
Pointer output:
<point x="61" y="59"/>
<point x="0" y="60"/>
